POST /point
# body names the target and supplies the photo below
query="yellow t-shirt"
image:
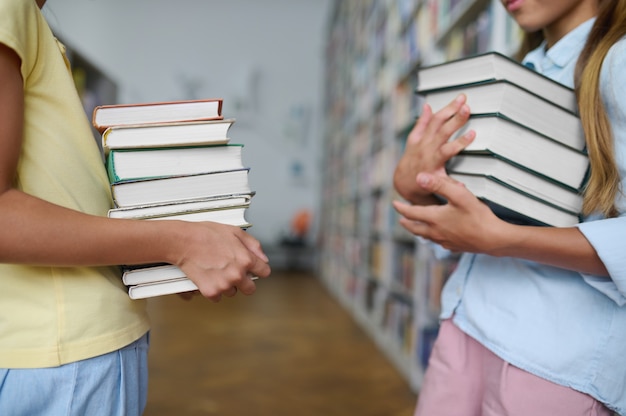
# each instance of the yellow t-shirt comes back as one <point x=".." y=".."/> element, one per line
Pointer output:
<point x="52" y="316"/>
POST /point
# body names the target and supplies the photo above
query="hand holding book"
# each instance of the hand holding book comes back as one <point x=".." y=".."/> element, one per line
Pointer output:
<point x="527" y="160"/>
<point x="217" y="257"/>
<point x="428" y="148"/>
<point x="463" y="224"/>
<point x="172" y="163"/>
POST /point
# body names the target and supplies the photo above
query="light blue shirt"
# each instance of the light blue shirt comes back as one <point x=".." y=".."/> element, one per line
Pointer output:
<point x="560" y="325"/>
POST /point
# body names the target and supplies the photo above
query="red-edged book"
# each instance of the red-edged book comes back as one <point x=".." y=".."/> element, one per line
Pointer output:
<point x="105" y="116"/>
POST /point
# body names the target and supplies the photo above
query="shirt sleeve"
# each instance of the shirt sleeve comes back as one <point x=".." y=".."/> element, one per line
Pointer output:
<point x="438" y="251"/>
<point x="608" y="236"/>
<point x="18" y="30"/>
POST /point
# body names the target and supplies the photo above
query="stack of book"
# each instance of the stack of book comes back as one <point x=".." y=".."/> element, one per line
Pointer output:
<point x="172" y="160"/>
<point x="528" y="161"/>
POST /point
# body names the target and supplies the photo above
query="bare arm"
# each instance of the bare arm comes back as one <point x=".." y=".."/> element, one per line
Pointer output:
<point x="215" y="256"/>
<point x="465" y="224"/>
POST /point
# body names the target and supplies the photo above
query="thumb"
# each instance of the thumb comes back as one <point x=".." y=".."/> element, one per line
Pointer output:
<point x="254" y="246"/>
<point x="444" y="186"/>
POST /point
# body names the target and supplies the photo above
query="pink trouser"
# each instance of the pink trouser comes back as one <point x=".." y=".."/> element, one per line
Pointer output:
<point x="466" y="379"/>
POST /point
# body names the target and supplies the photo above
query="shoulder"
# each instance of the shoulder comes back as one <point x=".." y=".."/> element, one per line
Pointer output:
<point x="16" y="11"/>
<point x="17" y="18"/>
<point x="20" y="24"/>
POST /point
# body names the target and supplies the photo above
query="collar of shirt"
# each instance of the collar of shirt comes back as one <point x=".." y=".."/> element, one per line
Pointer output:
<point x="563" y="54"/>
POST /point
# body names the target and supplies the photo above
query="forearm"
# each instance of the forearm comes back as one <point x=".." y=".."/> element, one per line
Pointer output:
<point x="566" y="248"/>
<point x="465" y="224"/>
<point x="40" y="233"/>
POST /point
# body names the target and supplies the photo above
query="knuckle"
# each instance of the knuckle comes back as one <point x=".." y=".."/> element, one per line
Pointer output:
<point x="209" y="292"/>
<point x="247" y="262"/>
<point x="443" y="115"/>
<point x="249" y="289"/>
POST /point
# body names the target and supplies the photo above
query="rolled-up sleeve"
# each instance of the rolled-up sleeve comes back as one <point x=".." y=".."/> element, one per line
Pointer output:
<point x="608" y="236"/>
<point x="608" y="239"/>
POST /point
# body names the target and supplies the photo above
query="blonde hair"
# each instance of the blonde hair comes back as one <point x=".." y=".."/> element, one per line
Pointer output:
<point x="603" y="185"/>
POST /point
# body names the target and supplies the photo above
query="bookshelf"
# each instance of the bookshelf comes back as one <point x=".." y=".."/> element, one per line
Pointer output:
<point x="388" y="281"/>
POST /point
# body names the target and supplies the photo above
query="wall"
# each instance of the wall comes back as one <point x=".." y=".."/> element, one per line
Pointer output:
<point x="264" y="57"/>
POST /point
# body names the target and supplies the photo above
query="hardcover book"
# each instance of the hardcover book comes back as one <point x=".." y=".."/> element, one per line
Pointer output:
<point x="492" y="66"/>
<point x="172" y="161"/>
<point x="528" y="160"/>
<point x="180" y="207"/>
<point x="506" y="139"/>
<point x="514" y="205"/>
<point x="180" y="188"/>
<point x="151" y="273"/>
<point x="169" y="287"/>
<point x="156" y="112"/>
<point x="517" y="104"/>
<point x="167" y="135"/>
<point x="230" y="216"/>
<point x="517" y="177"/>
<point x="132" y="164"/>
<point x="157" y="280"/>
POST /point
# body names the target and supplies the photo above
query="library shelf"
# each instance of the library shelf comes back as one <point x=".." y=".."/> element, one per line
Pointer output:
<point x="387" y="279"/>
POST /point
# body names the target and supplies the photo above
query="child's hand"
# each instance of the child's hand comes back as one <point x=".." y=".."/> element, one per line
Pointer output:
<point x="220" y="259"/>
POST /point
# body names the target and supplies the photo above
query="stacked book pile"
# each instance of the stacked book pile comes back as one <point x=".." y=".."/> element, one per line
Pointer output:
<point x="172" y="160"/>
<point x="528" y="161"/>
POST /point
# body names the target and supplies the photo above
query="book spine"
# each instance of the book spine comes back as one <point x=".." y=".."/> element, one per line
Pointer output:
<point x="112" y="174"/>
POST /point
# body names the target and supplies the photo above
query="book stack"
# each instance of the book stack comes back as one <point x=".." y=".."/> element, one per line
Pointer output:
<point x="172" y="160"/>
<point x="528" y="161"/>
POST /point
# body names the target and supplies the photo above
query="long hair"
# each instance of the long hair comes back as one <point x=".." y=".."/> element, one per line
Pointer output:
<point x="603" y="185"/>
<point x="604" y="181"/>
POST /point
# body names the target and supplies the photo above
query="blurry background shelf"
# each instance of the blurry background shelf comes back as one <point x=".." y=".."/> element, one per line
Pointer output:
<point x="388" y="281"/>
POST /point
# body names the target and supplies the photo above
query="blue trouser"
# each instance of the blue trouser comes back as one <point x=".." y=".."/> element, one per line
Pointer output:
<point x="113" y="384"/>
